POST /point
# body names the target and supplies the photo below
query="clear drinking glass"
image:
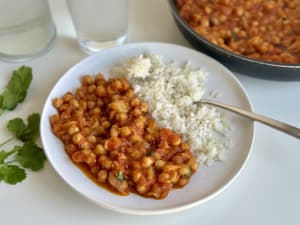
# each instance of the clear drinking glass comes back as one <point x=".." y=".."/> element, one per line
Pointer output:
<point x="99" y="23"/>
<point x="26" y="29"/>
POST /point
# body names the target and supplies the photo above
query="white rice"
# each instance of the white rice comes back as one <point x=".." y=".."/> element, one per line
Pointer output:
<point x="170" y="89"/>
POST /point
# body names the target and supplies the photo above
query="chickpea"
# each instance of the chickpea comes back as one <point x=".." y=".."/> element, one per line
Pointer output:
<point x="125" y="131"/>
<point x="67" y="97"/>
<point x="114" y="143"/>
<point x="84" y="145"/>
<point x="96" y="111"/>
<point x="77" y="138"/>
<point x="182" y="181"/>
<point x="78" y="157"/>
<point x="175" y="140"/>
<point x="136" y="175"/>
<point x="113" y="154"/>
<point x="69" y="124"/>
<point x="95" y="169"/>
<point x="114" y="131"/>
<point x="121" y="156"/>
<point x="149" y="137"/>
<point x="101" y="159"/>
<point x="99" y="77"/>
<point x="159" y="164"/>
<point x="91" y="104"/>
<point x="101" y="91"/>
<point x="80" y="93"/>
<point x="121" y="117"/>
<point x="170" y="167"/>
<point x="136" y="154"/>
<point x="56" y="128"/>
<point x="184" y="171"/>
<point x="112" y="115"/>
<point x="106" y="124"/>
<point x="193" y="164"/>
<point x="147" y="162"/>
<point x="150" y="174"/>
<point x="87" y="79"/>
<point x="83" y="104"/>
<point x="185" y="146"/>
<point x="140" y="122"/>
<point x="134" y="138"/>
<point x="99" y="149"/>
<point x="136" y="112"/>
<point x="86" y="131"/>
<point x="100" y="102"/>
<point x="71" y="148"/>
<point x="117" y="85"/>
<point x="73" y="129"/>
<point x="74" y="103"/>
<point x="129" y="93"/>
<point x="57" y="102"/>
<point x="164" y="178"/>
<point x="125" y="85"/>
<point x="136" y="165"/>
<point x="91" y="88"/>
<point x="54" y="119"/>
<point x="142" y="189"/>
<point x="115" y="97"/>
<point x="99" y="131"/>
<point x="119" y="106"/>
<point x="90" y="159"/>
<point x="107" y="164"/>
<point x="135" y="102"/>
<point x="92" y="139"/>
<point x="102" y="176"/>
<point x="156" y="155"/>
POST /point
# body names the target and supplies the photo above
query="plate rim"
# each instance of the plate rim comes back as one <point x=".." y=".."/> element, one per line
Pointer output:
<point x="150" y="211"/>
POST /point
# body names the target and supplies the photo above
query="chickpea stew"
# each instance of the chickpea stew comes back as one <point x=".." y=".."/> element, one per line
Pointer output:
<point x="108" y="132"/>
<point x="258" y="29"/>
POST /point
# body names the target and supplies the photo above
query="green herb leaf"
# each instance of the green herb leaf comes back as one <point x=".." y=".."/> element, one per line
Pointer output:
<point x="23" y="132"/>
<point x="31" y="156"/>
<point x="234" y="35"/>
<point x="188" y="176"/>
<point x="16" y="89"/>
<point x="17" y="127"/>
<point x="12" y="174"/>
<point x="149" y="153"/>
<point x="119" y="176"/>
<point x="5" y="154"/>
<point x="33" y="128"/>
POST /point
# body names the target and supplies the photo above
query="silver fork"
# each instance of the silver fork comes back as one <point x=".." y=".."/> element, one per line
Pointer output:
<point x="286" y="128"/>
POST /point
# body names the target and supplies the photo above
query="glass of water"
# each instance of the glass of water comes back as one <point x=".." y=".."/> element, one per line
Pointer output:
<point x="99" y="23"/>
<point x="26" y="29"/>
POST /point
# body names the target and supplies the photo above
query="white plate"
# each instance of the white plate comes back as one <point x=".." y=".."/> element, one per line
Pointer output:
<point x="206" y="183"/>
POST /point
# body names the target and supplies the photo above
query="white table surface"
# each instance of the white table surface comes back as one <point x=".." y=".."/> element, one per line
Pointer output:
<point x="266" y="192"/>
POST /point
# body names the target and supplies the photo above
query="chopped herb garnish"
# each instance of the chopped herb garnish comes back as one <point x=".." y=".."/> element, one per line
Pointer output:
<point x="119" y="176"/>
<point x="149" y="153"/>
<point x="187" y="176"/>
<point x="234" y="35"/>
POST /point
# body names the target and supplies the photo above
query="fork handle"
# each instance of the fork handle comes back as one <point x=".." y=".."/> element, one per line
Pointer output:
<point x="286" y="128"/>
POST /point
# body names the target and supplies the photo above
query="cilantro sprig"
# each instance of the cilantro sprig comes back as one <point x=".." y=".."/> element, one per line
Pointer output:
<point x="16" y="89"/>
<point x="27" y="156"/>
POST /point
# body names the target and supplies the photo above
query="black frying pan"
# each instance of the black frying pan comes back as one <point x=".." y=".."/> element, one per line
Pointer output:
<point x="238" y="63"/>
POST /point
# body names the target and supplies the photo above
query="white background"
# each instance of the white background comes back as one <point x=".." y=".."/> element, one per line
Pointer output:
<point x="266" y="192"/>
